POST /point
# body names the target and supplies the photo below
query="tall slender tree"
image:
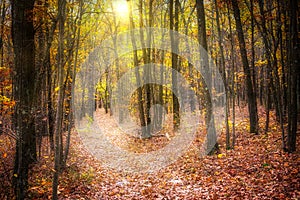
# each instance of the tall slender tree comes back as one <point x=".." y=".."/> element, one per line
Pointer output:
<point x="222" y="70"/>
<point x="60" y="99"/>
<point x="252" y="104"/>
<point x="293" y="51"/>
<point x="174" y="24"/>
<point x="147" y="74"/>
<point x="145" y="133"/>
<point x="24" y="91"/>
<point x="212" y="144"/>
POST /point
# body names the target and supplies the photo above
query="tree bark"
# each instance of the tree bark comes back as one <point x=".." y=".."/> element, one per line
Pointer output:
<point x="24" y="91"/>
<point x="212" y="144"/>
<point x="60" y="99"/>
<point x="252" y="104"/>
<point x="147" y="73"/>
<point x="223" y="72"/>
<point x="174" y="21"/>
<point x="293" y="51"/>
<point x="137" y="74"/>
<point x="232" y="76"/>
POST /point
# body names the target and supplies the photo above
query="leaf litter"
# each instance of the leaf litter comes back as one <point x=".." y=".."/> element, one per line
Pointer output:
<point x="256" y="168"/>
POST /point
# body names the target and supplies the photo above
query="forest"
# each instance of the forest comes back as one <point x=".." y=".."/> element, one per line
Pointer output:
<point x="149" y="99"/>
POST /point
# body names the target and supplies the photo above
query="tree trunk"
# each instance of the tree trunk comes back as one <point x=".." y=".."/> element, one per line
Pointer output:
<point x="293" y="51"/>
<point x="252" y="104"/>
<point x="137" y="74"/>
<point x="60" y="99"/>
<point x="147" y="73"/>
<point x="174" y="45"/>
<point x="233" y="93"/>
<point x="24" y="92"/>
<point x="212" y="144"/>
<point x="223" y="72"/>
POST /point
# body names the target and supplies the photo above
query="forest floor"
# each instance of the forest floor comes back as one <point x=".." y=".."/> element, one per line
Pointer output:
<point x="256" y="168"/>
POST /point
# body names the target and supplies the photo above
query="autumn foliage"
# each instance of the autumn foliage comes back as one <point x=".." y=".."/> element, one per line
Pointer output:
<point x="55" y="76"/>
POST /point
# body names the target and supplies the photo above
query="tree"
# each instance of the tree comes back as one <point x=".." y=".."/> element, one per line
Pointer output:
<point x="233" y="73"/>
<point x="222" y="70"/>
<point x="146" y="58"/>
<point x="212" y="144"/>
<point x="174" y="25"/>
<point x="60" y="98"/>
<point x="293" y="51"/>
<point x="252" y="104"/>
<point x="24" y="91"/>
<point x="145" y="133"/>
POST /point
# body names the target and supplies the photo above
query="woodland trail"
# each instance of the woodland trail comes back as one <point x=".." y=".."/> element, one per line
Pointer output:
<point x="122" y="148"/>
<point x="255" y="169"/>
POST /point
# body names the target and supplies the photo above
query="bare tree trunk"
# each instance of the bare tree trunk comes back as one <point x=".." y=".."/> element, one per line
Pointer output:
<point x="252" y="105"/>
<point x="223" y="72"/>
<point x="232" y="75"/>
<point x="212" y="144"/>
<point x="147" y="73"/>
<point x="24" y="92"/>
<point x="174" y="44"/>
<point x="252" y="69"/>
<point x="294" y="76"/>
<point x="60" y="99"/>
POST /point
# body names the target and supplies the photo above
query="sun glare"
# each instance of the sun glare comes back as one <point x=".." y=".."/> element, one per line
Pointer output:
<point x="121" y="8"/>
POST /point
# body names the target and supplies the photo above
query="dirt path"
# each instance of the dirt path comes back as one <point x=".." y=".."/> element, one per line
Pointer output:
<point x="256" y="169"/>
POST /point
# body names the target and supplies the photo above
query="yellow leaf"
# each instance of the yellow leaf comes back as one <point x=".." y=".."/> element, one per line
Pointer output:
<point x="15" y="175"/>
<point x="220" y="155"/>
<point x="56" y="89"/>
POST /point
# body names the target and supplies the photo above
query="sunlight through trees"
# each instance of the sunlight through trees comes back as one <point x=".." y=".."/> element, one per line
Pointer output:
<point x="196" y="92"/>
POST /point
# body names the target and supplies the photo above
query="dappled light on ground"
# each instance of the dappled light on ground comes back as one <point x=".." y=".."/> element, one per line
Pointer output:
<point x="255" y="169"/>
